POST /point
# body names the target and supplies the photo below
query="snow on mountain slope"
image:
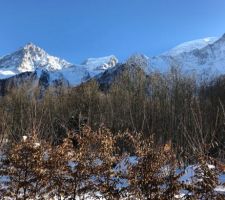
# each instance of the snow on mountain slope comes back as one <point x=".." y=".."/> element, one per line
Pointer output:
<point x="32" y="58"/>
<point x="74" y="75"/>
<point x="204" y="58"/>
<point x="91" y="67"/>
<point x="190" y="46"/>
<point x="98" y="65"/>
<point x="27" y="59"/>
<point x="7" y="73"/>
<point x="199" y="56"/>
<point x="208" y="57"/>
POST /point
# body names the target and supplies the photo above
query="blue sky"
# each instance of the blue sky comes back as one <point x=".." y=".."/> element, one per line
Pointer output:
<point x="78" y="29"/>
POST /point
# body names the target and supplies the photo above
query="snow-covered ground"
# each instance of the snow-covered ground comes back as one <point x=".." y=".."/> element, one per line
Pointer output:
<point x="189" y="178"/>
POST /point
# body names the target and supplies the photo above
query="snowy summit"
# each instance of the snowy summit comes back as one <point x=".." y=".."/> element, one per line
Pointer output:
<point x="191" y="45"/>
<point x="198" y="56"/>
<point x="28" y="59"/>
<point x="31" y="58"/>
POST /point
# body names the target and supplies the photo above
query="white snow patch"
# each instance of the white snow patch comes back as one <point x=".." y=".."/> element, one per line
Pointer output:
<point x="6" y="73"/>
<point x="191" y="45"/>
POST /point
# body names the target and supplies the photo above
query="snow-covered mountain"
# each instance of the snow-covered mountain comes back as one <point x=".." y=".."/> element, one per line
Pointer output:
<point x="102" y="63"/>
<point x="205" y="58"/>
<point x="32" y="58"/>
<point x="190" y="46"/>
<point x="199" y="56"/>
<point x="29" y="58"/>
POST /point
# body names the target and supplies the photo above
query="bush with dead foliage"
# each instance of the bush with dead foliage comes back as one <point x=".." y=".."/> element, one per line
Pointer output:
<point x="96" y="168"/>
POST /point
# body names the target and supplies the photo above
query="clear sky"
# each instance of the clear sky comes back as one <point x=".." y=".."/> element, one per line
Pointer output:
<point x="78" y="29"/>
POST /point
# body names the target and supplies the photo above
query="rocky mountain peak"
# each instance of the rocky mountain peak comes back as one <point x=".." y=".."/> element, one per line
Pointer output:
<point x="29" y="58"/>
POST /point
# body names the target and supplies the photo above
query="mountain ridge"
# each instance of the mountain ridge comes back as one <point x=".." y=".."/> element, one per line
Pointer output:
<point x="207" y="54"/>
<point x="210" y="57"/>
<point x="31" y="58"/>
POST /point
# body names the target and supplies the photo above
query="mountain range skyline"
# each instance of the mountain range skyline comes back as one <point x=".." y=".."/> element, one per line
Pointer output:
<point x="198" y="57"/>
<point x="198" y="43"/>
<point x="76" y="30"/>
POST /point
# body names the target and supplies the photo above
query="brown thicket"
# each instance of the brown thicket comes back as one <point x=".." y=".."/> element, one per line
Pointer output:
<point x="35" y="169"/>
<point x="154" y="175"/>
<point x="23" y="168"/>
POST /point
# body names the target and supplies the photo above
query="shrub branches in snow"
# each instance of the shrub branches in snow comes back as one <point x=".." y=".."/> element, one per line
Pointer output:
<point x="24" y="166"/>
<point x="96" y="168"/>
